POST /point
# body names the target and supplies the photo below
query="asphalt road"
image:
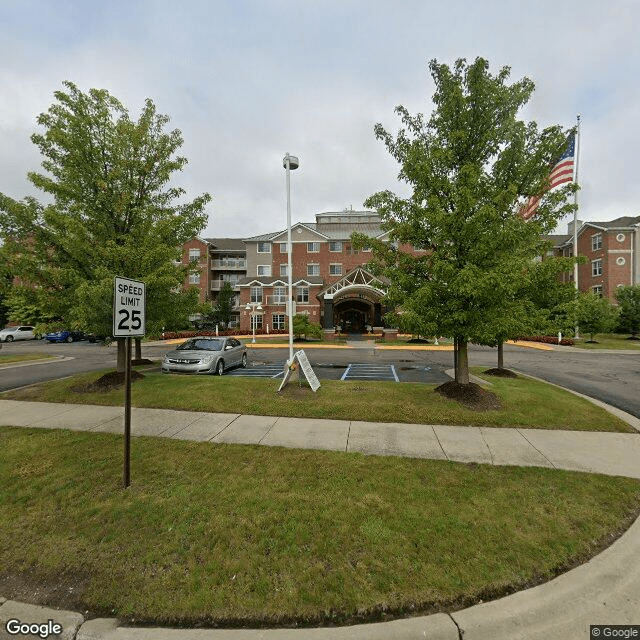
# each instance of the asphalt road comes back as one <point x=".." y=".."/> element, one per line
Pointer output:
<point x="611" y="377"/>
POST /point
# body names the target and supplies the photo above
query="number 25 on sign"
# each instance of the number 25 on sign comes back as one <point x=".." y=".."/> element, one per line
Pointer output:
<point x="128" y="308"/>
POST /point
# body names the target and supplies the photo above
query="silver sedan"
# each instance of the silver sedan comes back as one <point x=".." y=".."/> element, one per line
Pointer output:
<point x="203" y="354"/>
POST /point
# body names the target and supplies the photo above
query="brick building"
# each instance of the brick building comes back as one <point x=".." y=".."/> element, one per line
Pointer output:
<point x="332" y="286"/>
<point x="330" y="283"/>
<point x="612" y="250"/>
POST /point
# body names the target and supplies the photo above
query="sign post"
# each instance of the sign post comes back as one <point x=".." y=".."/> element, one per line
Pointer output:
<point x="129" y="297"/>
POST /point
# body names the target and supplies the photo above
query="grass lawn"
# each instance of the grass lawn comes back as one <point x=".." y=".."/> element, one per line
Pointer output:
<point x="243" y="535"/>
<point x="527" y="403"/>
<point x="608" y="341"/>
<point x="6" y="358"/>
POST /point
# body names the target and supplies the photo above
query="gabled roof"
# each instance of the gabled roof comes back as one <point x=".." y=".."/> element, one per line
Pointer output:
<point x="226" y="244"/>
<point x="299" y="225"/>
<point x="626" y="222"/>
<point x="271" y="281"/>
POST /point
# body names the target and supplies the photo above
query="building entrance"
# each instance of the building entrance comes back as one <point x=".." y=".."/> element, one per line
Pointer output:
<point x="353" y="316"/>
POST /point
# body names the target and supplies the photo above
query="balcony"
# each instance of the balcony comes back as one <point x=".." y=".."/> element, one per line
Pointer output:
<point x="277" y="300"/>
<point x="229" y="263"/>
<point x="216" y="285"/>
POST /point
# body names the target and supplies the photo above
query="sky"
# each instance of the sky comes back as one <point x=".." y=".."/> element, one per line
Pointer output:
<point x="247" y="81"/>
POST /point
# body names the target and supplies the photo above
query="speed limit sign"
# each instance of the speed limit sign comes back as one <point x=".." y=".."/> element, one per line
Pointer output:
<point x="128" y="308"/>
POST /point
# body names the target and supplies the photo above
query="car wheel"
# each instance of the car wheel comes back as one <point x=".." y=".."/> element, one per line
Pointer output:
<point x="9" y="339"/>
<point x="220" y="368"/>
<point x="243" y="363"/>
<point x="69" y="339"/>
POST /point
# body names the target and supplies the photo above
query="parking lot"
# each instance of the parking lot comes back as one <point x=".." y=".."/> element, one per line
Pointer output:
<point x="396" y="371"/>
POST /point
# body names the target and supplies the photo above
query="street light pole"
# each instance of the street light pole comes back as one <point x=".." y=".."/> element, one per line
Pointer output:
<point x="253" y="308"/>
<point x="290" y="163"/>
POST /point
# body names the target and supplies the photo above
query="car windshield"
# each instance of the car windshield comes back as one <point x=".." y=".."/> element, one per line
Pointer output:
<point x="200" y="345"/>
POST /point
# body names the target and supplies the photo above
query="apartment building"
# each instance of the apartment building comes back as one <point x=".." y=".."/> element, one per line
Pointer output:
<point x="330" y="281"/>
<point x="611" y="248"/>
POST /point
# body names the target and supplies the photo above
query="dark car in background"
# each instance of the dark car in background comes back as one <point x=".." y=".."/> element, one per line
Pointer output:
<point x="65" y="335"/>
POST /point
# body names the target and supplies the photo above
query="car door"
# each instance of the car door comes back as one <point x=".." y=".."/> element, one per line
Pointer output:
<point x="24" y="333"/>
<point x="231" y="348"/>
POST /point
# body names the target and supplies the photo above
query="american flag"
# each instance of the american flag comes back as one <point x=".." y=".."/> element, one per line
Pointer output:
<point x="562" y="172"/>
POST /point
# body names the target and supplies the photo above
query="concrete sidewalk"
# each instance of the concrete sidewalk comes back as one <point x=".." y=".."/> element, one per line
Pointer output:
<point x="604" y="590"/>
<point x="593" y="452"/>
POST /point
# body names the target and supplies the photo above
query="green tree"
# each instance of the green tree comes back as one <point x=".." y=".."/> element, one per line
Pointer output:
<point x="224" y="304"/>
<point x="469" y="167"/>
<point x="629" y="301"/>
<point x="302" y="326"/>
<point x="112" y="211"/>
<point x="594" y="314"/>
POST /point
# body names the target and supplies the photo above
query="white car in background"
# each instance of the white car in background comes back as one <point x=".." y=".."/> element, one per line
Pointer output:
<point x="17" y="333"/>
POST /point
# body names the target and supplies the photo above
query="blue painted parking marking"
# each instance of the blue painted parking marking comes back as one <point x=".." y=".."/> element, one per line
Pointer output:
<point x="259" y="371"/>
<point x="370" y="372"/>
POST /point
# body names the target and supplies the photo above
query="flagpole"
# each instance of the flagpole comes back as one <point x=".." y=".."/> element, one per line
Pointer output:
<point x="575" y="213"/>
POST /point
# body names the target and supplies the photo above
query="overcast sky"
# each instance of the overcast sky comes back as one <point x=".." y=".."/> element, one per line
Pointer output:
<point x="247" y="81"/>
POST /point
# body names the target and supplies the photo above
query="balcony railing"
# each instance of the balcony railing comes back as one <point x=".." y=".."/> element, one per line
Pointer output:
<point x="276" y="300"/>
<point x="229" y="263"/>
<point x="216" y="285"/>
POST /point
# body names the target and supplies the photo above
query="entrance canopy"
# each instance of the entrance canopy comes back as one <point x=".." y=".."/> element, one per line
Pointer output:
<point x="354" y="302"/>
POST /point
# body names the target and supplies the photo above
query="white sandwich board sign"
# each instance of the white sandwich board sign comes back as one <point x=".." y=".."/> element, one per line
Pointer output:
<point x="307" y="369"/>
<point x="129" y="297"/>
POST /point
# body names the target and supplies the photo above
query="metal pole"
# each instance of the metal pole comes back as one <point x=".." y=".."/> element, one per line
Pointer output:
<point x="575" y="213"/>
<point x="126" y="475"/>
<point x="289" y="261"/>
<point x="253" y="322"/>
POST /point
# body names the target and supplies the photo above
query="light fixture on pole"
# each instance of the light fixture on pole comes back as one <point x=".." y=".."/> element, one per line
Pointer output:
<point x="254" y="309"/>
<point x="290" y="163"/>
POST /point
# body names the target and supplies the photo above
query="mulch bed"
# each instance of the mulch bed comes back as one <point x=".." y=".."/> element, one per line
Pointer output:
<point x="107" y="382"/>
<point x="500" y="373"/>
<point x="471" y="395"/>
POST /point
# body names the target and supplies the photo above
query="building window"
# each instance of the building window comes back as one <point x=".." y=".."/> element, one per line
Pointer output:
<point x="620" y="237"/>
<point x="335" y="269"/>
<point x="353" y="251"/>
<point x="264" y="269"/>
<point x="256" y="294"/>
<point x="620" y="261"/>
<point x="256" y="321"/>
<point x="596" y="242"/>
<point x="279" y="295"/>
<point x="597" y="290"/>
<point x="596" y="268"/>
<point x="194" y="254"/>
<point x="284" y="270"/>
<point x="335" y="247"/>
<point x="194" y="278"/>
<point x="279" y="321"/>
<point x="313" y="247"/>
<point x="264" y="247"/>
<point x="302" y="295"/>
<point x="283" y="247"/>
<point x="313" y="269"/>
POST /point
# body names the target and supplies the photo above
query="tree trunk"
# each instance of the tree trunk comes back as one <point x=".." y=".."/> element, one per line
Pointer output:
<point x="138" y="355"/>
<point x="455" y="358"/>
<point x="122" y="355"/>
<point x="463" y="362"/>
<point x="500" y="355"/>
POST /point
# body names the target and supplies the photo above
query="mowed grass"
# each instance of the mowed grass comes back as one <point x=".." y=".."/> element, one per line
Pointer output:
<point x="6" y="358"/>
<point x="526" y="402"/>
<point x="243" y="535"/>
<point x="608" y="341"/>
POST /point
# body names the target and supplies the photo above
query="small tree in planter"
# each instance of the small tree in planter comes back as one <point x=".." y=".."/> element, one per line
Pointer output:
<point x="302" y="326"/>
